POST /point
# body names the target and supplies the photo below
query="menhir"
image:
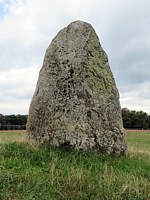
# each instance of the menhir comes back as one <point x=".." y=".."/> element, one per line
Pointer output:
<point x="76" y="102"/>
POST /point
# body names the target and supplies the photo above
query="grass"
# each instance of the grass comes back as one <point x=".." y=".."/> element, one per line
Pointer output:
<point x="139" y="141"/>
<point x="32" y="172"/>
<point x="12" y="136"/>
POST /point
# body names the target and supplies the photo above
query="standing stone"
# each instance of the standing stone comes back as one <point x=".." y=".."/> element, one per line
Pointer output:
<point x="76" y="102"/>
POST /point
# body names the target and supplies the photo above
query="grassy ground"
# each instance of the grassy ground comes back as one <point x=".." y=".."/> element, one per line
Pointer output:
<point x="31" y="172"/>
<point x="12" y="136"/>
<point x="139" y="141"/>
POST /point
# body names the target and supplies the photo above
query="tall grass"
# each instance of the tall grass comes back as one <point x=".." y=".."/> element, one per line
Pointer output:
<point x="34" y="172"/>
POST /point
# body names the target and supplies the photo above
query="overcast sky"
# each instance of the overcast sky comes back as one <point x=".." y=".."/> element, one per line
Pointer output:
<point x="28" y="26"/>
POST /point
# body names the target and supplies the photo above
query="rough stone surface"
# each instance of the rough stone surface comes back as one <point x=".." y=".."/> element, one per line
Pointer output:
<point x="76" y="102"/>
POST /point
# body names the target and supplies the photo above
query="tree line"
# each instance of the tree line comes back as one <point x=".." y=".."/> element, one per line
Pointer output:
<point x="13" y="122"/>
<point x="131" y="120"/>
<point x="135" y="119"/>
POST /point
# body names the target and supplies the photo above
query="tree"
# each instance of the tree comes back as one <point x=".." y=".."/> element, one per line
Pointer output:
<point x="148" y="121"/>
<point x="135" y="119"/>
<point x="2" y="119"/>
<point x="126" y="118"/>
<point x="13" y="122"/>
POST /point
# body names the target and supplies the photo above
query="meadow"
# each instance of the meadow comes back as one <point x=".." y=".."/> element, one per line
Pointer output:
<point x="32" y="172"/>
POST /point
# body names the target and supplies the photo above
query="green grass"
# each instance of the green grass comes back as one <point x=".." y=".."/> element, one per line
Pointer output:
<point x="32" y="172"/>
<point x="12" y="136"/>
<point x="139" y="141"/>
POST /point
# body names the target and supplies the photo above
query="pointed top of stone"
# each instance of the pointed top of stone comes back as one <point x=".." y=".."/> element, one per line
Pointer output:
<point x="79" y="23"/>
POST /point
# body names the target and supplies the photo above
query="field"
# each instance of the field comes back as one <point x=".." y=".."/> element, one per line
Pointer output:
<point x="139" y="141"/>
<point x="32" y="172"/>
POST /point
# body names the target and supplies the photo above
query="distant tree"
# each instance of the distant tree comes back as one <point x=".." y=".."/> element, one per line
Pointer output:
<point x="135" y="119"/>
<point x="2" y="119"/>
<point x="16" y="119"/>
<point x="142" y="119"/>
<point x="11" y="119"/>
<point x="148" y="121"/>
<point x="13" y="122"/>
<point x="126" y="117"/>
<point x="21" y="119"/>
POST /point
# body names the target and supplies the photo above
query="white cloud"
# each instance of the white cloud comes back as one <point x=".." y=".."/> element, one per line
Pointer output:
<point x="19" y="107"/>
<point x="17" y="87"/>
<point x="137" y="98"/>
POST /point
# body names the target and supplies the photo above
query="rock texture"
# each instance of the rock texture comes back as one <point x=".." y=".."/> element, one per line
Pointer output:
<point x="76" y="102"/>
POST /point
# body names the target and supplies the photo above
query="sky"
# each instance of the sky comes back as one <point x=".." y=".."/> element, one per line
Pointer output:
<point x="28" y="26"/>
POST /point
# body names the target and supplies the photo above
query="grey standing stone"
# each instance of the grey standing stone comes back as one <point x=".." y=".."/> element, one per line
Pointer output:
<point x="76" y="102"/>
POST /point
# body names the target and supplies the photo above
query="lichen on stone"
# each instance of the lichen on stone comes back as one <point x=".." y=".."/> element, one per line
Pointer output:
<point x="76" y="101"/>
